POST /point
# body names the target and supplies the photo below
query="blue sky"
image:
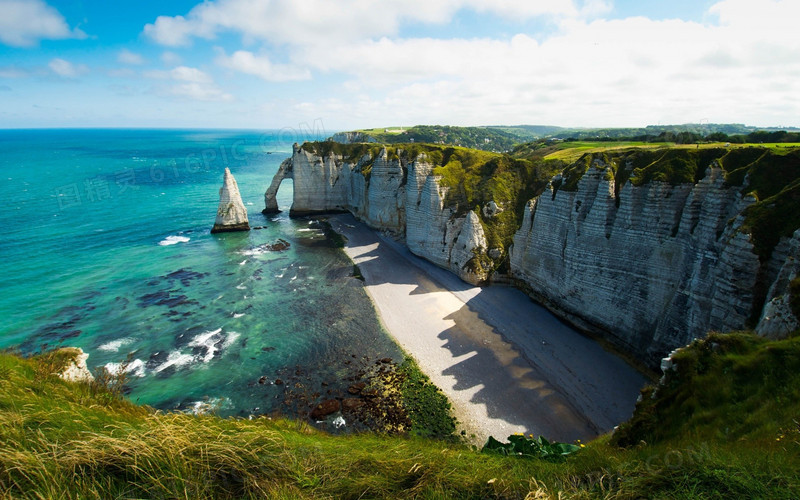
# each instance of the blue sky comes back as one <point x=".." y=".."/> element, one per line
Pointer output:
<point x="346" y="64"/>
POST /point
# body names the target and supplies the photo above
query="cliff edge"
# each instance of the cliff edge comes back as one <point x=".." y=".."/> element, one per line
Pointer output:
<point x="648" y="249"/>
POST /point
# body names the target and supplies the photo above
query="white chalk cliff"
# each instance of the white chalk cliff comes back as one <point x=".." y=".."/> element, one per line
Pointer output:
<point x="662" y="268"/>
<point x="649" y="269"/>
<point x="231" y="213"/>
<point x="403" y="197"/>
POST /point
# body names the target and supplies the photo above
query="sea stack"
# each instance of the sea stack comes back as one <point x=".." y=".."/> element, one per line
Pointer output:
<point x="231" y="214"/>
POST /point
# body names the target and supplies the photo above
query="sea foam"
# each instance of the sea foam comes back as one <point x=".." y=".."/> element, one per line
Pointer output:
<point x="205" y="347"/>
<point x="135" y="368"/>
<point x="172" y="240"/>
<point x="115" y="345"/>
<point x="176" y="359"/>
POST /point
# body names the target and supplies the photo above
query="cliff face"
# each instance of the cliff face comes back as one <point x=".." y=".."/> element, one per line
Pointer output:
<point x="648" y="264"/>
<point x="650" y="271"/>
<point x="392" y="194"/>
<point x="777" y="317"/>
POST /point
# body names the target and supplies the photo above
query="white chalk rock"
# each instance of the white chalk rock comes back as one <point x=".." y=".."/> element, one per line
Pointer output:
<point x="76" y="370"/>
<point x="231" y="214"/>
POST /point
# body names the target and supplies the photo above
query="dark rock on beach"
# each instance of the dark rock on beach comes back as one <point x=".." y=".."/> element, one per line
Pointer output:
<point x="325" y="408"/>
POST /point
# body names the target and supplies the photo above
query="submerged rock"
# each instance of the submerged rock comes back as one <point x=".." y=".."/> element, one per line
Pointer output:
<point x="231" y="214"/>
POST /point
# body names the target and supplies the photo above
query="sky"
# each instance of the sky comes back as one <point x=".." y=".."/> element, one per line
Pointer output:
<point x="347" y="64"/>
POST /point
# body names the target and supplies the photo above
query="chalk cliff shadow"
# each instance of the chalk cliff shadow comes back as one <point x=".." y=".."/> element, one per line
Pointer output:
<point x="533" y="372"/>
<point x="511" y="388"/>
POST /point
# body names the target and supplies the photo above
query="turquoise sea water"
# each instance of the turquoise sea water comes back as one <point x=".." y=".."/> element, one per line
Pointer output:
<point x="107" y="247"/>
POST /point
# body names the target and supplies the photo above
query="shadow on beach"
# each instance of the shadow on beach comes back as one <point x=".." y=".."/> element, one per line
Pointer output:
<point x="492" y="347"/>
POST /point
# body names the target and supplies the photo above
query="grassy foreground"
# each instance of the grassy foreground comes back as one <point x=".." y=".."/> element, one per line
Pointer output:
<point x="725" y="426"/>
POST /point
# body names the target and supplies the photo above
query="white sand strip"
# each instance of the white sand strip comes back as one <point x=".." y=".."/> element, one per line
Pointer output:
<point x="507" y="364"/>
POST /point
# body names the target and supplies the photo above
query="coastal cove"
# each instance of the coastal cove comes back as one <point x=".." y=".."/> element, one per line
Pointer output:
<point x="228" y="324"/>
<point x="506" y="363"/>
<point x="109" y="249"/>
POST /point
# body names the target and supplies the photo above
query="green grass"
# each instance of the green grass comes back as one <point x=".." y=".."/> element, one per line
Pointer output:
<point x="735" y="388"/>
<point x="427" y="406"/>
<point x="572" y="151"/>
<point x="725" y="427"/>
<point x="381" y="130"/>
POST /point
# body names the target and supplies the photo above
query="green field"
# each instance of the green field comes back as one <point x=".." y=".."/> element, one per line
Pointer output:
<point x="382" y="130"/>
<point x="572" y="151"/>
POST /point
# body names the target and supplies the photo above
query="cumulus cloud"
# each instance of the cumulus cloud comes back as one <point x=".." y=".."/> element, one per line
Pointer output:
<point x="66" y="69"/>
<point x="191" y="83"/>
<point x="321" y="22"/>
<point x="125" y="56"/>
<point x="622" y="72"/>
<point x="23" y="23"/>
<point x="737" y="65"/>
<point x="182" y="73"/>
<point x="261" y="66"/>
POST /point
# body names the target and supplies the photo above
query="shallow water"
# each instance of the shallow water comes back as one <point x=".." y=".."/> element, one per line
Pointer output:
<point x="107" y="247"/>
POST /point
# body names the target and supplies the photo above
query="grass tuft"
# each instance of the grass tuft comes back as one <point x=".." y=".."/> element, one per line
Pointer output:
<point x="67" y="440"/>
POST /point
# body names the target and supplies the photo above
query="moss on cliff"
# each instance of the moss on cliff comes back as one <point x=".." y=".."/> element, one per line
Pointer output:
<point x="476" y="178"/>
<point x="771" y="175"/>
<point x="473" y="178"/>
<point x="773" y="218"/>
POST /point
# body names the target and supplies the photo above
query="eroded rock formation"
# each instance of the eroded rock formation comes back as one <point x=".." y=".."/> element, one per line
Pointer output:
<point x="648" y="265"/>
<point x="76" y="370"/>
<point x="652" y="273"/>
<point x="392" y="194"/>
<point x="231" y="213"/>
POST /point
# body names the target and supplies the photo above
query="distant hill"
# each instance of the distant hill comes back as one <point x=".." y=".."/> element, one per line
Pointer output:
<point x="505" y="138"/>
<point x="483" y="138"/>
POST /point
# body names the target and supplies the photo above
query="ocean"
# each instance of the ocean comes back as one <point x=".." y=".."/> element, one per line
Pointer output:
<point x="107" y="247"/>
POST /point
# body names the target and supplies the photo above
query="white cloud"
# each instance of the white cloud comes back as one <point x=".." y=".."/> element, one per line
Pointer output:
<point x="125" y="56"/>
<point x="322" y="22"/>
<point x="621" y="72"/>
<point x="170" y="58"/>
<point x="23" y="23"/>
<point x="192" y="83"/>
<point x="260" y="66"/>
<point x="66" y="69"/>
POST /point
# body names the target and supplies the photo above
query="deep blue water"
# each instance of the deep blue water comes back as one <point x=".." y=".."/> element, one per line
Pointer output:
<point x="107" y="247"/>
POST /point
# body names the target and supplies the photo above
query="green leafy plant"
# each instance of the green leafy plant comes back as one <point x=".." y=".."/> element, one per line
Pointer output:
<point x="531" y="447"/>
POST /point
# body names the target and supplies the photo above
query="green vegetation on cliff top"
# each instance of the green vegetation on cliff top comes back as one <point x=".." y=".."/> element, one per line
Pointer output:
<point x="473" y="178"/>
<point x="771" y="174"/>
<point x="727" y="387"/>
<point x="530" y="138"/>
<point x="724" y="426"/>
